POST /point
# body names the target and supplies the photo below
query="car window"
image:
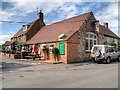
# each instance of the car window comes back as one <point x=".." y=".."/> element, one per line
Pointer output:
<point x="111" y="49"/>
<point x="106" y="49"/>
<point x="97" y="48"/>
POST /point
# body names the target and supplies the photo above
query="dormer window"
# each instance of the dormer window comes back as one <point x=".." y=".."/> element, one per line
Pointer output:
<point x="61" y="36"/>
<point x="25" y="27"/>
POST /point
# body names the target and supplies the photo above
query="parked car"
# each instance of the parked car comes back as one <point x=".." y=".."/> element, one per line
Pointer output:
<point x="104" y="53"/>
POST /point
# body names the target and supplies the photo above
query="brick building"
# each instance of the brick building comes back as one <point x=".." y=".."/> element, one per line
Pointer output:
<point x="28" y="31"/>
<point x="74" y="37"/>
<point x="6" y="45"/>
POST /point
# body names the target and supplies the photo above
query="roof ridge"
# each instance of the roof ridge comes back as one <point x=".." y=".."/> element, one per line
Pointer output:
<point x="64" y="21"/>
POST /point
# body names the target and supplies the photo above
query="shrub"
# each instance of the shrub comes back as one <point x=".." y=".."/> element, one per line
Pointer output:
<point x="55" y="52"/>
<point x="7" y="51"/>
<point x="45" y="49"/>
<point x="12" y="52"/>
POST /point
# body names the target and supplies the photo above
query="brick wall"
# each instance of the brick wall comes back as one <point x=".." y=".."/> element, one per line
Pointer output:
<point x="72" y="48"/>
<point x="76" y="44"/>
<point x="34" y="29"/>
<point x="62" y="58"/>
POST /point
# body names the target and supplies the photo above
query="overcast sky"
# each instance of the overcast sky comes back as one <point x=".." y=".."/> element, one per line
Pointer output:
<point x="26" y="11"/>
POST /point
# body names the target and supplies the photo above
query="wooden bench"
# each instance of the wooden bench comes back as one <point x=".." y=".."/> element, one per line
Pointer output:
<point x="31" y="56"/>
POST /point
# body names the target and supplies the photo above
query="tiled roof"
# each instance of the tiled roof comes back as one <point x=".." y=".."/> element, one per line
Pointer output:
<point x="20" y="32"/>
<point x="7" y="43"/>
<point x="68" y="27"/>
<point x="107" y="31"/>
<point x="51" y="32"/>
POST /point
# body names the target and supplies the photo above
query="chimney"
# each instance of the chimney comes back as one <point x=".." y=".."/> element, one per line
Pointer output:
<point x="40" y="15"/>
<point x="106" y="24"/>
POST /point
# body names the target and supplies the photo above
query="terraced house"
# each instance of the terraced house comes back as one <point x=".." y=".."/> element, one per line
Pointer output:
<point x="74" y="37"/>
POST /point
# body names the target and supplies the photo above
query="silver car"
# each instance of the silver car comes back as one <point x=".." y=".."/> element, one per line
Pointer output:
<point x="104" y="53"/>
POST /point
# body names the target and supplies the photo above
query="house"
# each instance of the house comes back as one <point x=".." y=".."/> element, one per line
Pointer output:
<point x="28" y="31"/>
<point x="6" y="45"/>
<point x="74" y="37"/>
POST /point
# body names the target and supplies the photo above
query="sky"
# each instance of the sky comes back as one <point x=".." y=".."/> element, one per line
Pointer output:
<point x="54" y="10"/>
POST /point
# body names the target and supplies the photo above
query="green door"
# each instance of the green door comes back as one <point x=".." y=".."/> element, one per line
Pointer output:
<point x="62" y="48"/>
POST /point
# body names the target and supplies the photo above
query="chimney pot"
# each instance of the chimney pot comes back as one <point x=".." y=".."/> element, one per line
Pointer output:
<point x="40" y="15"/>
<point x="106" y="24"/>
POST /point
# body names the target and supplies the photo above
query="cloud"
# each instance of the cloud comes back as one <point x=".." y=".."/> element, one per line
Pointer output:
<point x="109" y="14"/>
<point x="63" y="9"/>
<point x="4" y="38"/>
<point x="67" y="10"/>
<point x="23" y="8"/>
<point x="11" y="33"/>
<point x="62" y="0"/>
<point x="4" y="15"/>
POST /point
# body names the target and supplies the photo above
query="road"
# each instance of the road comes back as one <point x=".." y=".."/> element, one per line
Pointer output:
<point x="7" y="64"/>
<point x="77" y="75"/>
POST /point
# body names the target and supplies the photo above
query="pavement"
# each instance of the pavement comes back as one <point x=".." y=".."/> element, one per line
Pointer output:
<point x="76" y="75"/>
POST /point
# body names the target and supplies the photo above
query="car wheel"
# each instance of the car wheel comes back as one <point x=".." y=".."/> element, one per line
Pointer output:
<point x="94" y="60"/>
<point x="108" y="60"/>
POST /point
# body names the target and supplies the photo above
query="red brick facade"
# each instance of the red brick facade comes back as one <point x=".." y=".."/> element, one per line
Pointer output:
<point x="34" y="27"/>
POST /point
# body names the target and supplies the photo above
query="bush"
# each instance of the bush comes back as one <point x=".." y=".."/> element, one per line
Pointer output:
<point x="7" y="51"/>
<point x="45" y="49"/>
<point x="12" y="52"/>
<point x="55" y="52"/>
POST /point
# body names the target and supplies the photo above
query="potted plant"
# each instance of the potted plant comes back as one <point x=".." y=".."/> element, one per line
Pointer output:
<point x="8" y="53"/>
<point x="45" y="51"/>
<point x="55" y="52"/>
<point x="12" y="51"/>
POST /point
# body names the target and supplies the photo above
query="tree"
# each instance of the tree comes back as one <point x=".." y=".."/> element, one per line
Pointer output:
<point x="117" y="46"/>
<point x="114" y="44"/>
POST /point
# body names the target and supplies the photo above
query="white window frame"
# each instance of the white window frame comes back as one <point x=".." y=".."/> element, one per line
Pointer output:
<point x="89" y="38"/>
<point x="50" y="48"/>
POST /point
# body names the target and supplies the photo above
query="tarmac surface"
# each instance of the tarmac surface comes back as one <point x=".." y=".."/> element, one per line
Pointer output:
<point x="77" y="75"/>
